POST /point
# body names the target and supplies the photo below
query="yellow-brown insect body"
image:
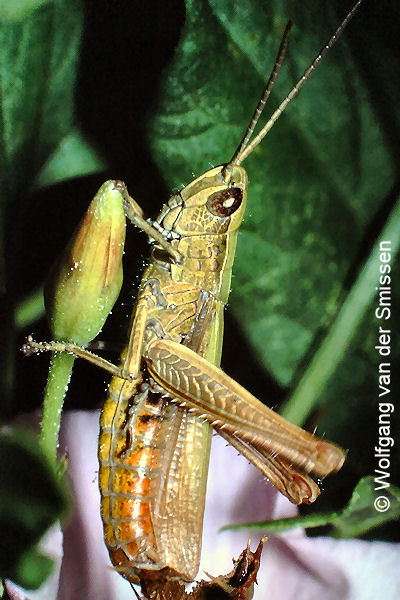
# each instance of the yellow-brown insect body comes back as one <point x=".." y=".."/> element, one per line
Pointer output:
<point x="207" y="215"/>
<point x="150" y="449"/>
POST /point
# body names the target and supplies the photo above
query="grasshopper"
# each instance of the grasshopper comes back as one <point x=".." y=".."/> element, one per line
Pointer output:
<point x="168" y="394"/>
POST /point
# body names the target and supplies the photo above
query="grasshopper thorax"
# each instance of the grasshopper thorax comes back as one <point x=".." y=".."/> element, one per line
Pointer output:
<point x="202" y="223"/>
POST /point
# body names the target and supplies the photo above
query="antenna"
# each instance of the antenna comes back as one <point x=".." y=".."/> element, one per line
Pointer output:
<point x="245" y="148"/>
<point x="265" y="95"/>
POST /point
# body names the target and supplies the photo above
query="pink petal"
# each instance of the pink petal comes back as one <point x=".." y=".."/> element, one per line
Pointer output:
<point x="293" y="567"/>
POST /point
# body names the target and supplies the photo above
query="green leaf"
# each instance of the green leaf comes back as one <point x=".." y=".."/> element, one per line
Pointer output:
<point x="349" y="317"/>
<point x="38" y="69"/>
<point x="366" y="510"/>
<point x="33" y="569"/>
<point x="30" y="310"/>
<point x="32" y="499"/>
<point x="17" y="10"/>
<point x="73" y="157"/>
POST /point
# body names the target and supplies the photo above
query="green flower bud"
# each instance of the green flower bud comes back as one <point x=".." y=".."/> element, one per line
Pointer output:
<point x="86" y="281"/>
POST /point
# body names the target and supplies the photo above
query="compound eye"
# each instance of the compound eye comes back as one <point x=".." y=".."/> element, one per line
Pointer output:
<point x="225" y="202"/>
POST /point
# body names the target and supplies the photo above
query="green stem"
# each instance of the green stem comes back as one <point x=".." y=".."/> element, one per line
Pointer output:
<point x="281" y="525"/>
<point x="307" y="393"/>
<point x="55" y="391"/>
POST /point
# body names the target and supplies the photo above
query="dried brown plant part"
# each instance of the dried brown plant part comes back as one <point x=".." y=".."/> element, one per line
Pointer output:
<point x="236" y="585"/>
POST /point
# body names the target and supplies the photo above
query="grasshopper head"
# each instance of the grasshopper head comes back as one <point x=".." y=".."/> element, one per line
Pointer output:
<point x="203" y="222"/>
<point x="211" y="204"/>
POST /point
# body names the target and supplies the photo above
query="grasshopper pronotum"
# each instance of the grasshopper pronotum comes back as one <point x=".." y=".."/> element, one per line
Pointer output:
<point x="169" y="392"/>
